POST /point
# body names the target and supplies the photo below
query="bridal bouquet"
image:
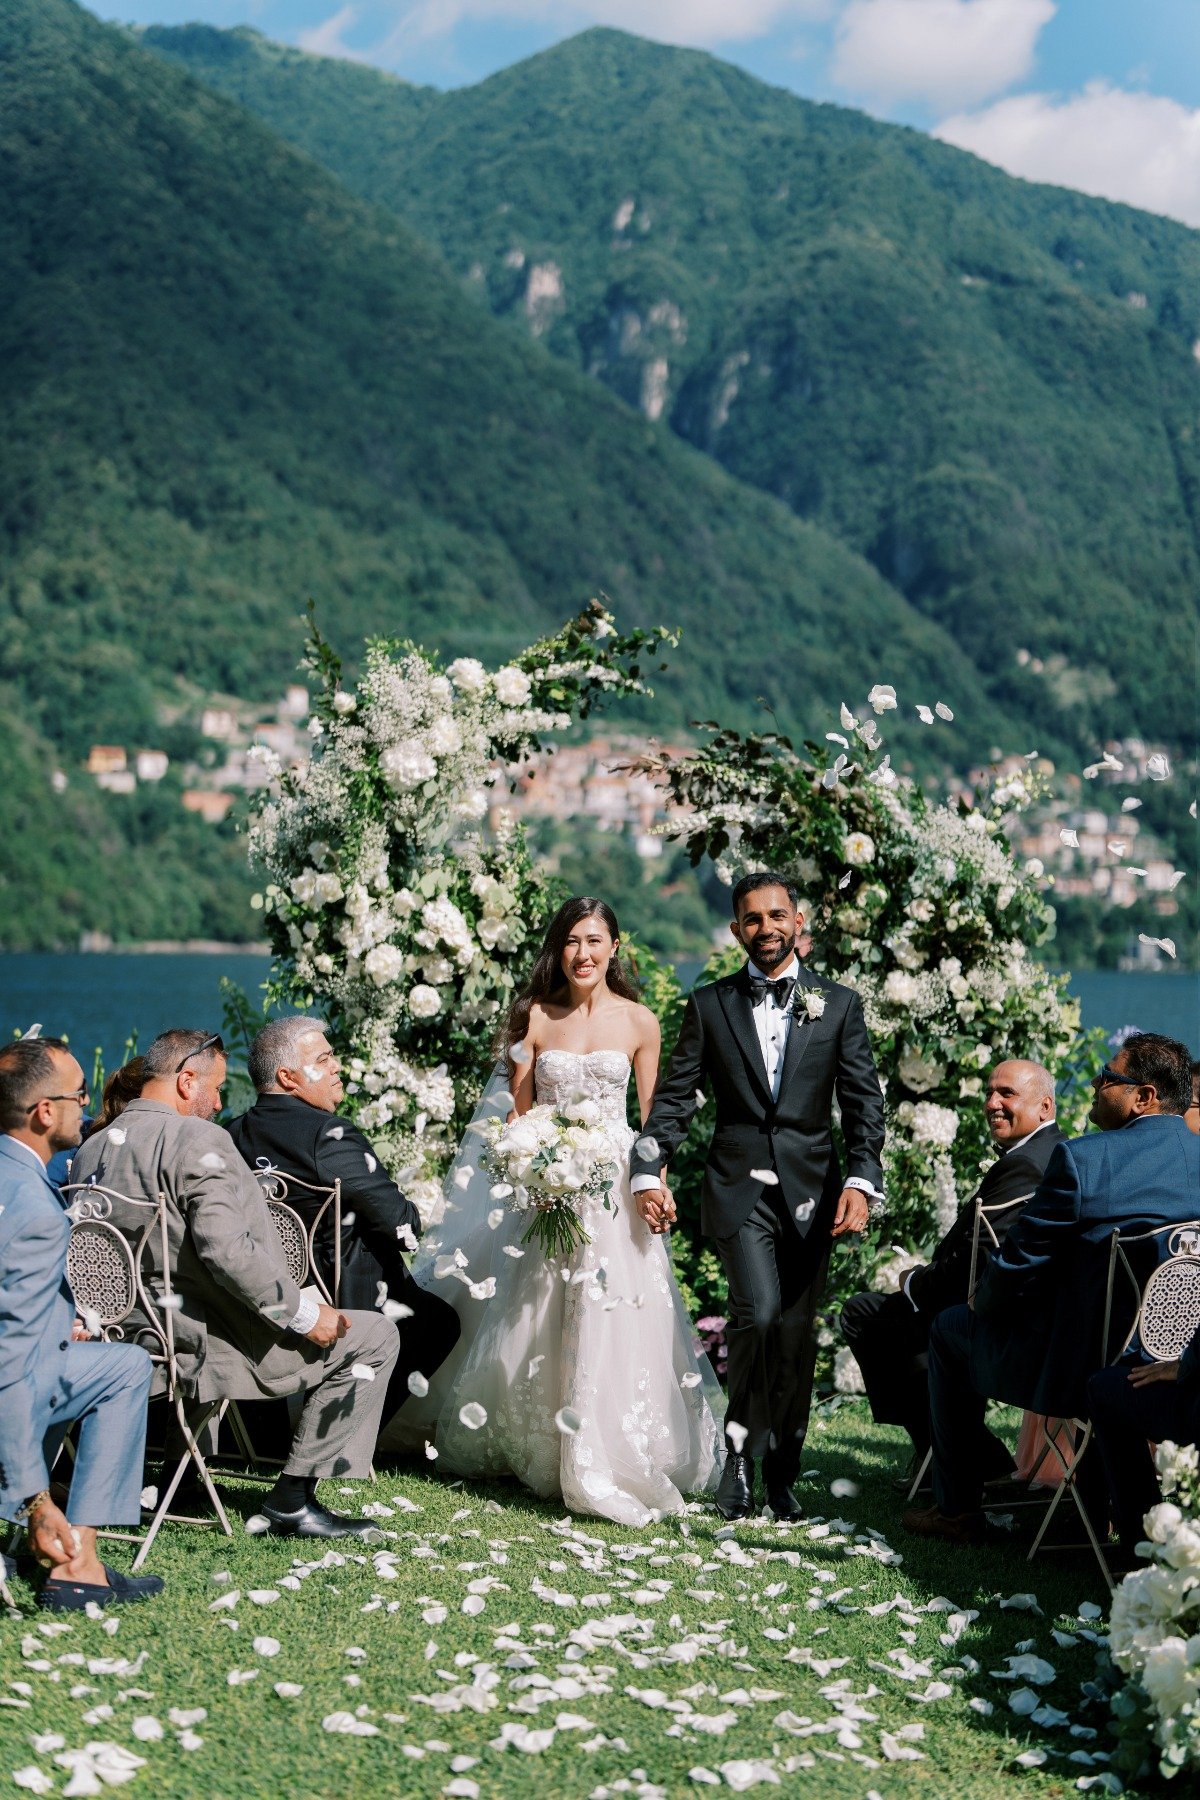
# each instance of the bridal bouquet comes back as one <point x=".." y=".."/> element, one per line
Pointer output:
<point x="1153" y="1634"/>
<point x="551" y="1164"/>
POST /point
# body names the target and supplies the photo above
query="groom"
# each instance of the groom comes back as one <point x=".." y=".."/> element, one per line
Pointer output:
<point x="775" y="1045"/>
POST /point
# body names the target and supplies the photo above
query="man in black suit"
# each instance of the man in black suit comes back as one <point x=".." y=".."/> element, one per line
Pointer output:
<point x="1133" y="1405"/>
<point x="775" y="1044"/>
<point x="293" y="1127"/>
<point x="889" y="1333"/>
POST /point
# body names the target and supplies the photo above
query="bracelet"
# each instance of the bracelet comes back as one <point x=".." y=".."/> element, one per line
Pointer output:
<point x="30" y="1507"/>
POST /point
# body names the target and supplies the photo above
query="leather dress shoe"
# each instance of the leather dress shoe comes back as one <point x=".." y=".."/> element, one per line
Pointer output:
<point x="734" y="1498"/>
<point x="314" y="1521"/>
<point x="74" y="1596"/>
<point x="784" y="1504"/>
<point x="950" y="1528"/>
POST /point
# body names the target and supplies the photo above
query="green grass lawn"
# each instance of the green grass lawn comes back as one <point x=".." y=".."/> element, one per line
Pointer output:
<point x="628" y="1664"/>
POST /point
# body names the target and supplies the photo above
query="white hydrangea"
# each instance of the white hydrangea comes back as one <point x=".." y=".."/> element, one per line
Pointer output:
<point x="444" y="736"/>
<point x="919" y="1073"/>
<point x="901" y="988"/>
<point x="933" y="1124"/>
<point x="424" y="1002"/>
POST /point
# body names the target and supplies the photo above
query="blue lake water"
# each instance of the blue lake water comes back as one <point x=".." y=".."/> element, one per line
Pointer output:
<point x="97" y="1001"/>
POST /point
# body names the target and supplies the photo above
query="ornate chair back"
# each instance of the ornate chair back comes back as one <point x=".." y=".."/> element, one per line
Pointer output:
<point x="298" y="1240"/>
<point x="1168" y="1298"/>
<point x="984" y="1233"/>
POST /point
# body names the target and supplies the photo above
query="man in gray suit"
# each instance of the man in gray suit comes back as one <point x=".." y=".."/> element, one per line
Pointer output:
<point x="243" y="1328"/>
<point x="48" y="1381"/>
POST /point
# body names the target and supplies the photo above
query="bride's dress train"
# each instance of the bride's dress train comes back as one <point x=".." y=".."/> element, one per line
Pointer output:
<point x="585" y="1368"/>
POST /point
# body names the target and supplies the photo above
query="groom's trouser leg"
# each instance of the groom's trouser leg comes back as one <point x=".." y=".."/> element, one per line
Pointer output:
<point x="775" y="1279"/>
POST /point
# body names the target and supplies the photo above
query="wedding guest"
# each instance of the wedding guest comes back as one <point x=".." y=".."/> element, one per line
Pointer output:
<point x="294" y="1126"/>
<point x="243" y="1329"/>
<point x="1192" y="1115"/>
<point x="889" y="1333"/>
<point x="122" y="1086"/>
<point x="47" y="1381"/>
<point x="1132" y="1406"/>
<point x="1036" y="1333"/>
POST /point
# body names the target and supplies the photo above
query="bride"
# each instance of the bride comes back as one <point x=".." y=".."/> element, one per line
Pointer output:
<point x="577" y="1376"/>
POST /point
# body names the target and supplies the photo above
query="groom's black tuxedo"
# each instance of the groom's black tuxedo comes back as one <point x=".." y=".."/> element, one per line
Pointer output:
<point x="830" y="1055"/>
<point x="773" y="1238"/>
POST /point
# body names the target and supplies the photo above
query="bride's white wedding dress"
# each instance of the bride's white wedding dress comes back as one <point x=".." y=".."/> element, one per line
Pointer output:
<point x="599" y="1342"/>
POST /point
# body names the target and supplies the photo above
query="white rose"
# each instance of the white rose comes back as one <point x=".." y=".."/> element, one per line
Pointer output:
<point x="437" y="970"/>
<point x="469" y="676"/>
<point x="424" y="1002"/>
<point x="513" y="687"/>
<point x="472" y="806"/>
<point x="304" y="888"/>
<point x="859" y="849"/>
<point x="919" y="1073"/>
<point x="1168" y="1678"/>
<point x="900" y="988"/>
<point x="383" y="964"/>
<point x="407" y="764"/>
<point x="329" y="889"/>
<point x="920" y="910"/>
<point x="343" y="702"/>
<point x="443" y="736"/>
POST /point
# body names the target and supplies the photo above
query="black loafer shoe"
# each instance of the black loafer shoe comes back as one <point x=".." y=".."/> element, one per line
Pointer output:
<point x="313" y="1521"/>
<point x="74" y="1596"/>
<point x="734" y="1498"/>
<point x="784" y="1504"/>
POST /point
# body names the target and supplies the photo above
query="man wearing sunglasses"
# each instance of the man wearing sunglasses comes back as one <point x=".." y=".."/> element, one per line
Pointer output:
<point x="1036" y="1332"/>
<point x="48" y="1382"/>
<point x="243" y="1328"/>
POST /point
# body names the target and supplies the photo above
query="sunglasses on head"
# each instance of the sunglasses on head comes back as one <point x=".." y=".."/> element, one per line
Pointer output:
<point x="212" y="1042"/>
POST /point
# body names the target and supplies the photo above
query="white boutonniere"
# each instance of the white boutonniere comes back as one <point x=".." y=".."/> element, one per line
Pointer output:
<point x="812" y="1004"/>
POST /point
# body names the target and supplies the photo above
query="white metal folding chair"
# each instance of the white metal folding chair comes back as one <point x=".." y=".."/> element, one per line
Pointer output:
<point x="1165" y="1306"/>
<point x="106" y="1273"/>
<point x="983" y="1230"/>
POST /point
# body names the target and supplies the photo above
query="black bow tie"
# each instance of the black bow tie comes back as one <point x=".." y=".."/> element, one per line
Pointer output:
<point x="780" y="990"/>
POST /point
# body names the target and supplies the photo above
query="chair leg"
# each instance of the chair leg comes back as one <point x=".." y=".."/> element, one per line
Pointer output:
<point x="192" y="1454"/>
<point x="242" y="1436"/>
<point x="920" y="1475"/>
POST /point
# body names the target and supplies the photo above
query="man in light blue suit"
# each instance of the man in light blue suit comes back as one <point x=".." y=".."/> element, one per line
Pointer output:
<point x="1036" y="1332"/>
<point x="49" y="1381"/>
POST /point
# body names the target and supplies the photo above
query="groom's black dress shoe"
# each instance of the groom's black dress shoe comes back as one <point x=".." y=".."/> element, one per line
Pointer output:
<point x="784" y="1504"/>
<point x="313" y="1521"/>
<point x="734" y="1498"/>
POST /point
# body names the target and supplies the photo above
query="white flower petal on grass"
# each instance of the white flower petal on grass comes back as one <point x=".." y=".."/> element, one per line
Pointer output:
<point x="1024" y="1702"/>
<point x="472" y="1415"/>
<point x="362" y="1371"/>
<point x="568" y="1421"/>
<point x="983" y="1707"/>
<point x="1030" y="1759"/>
<point x="743" y="1773"/>
<point x="267" y="1646"/>
<point x="239" y="1677"/>
<point x="844" y="1489"/>
<point x="474" y="1603"/>
<point x="33" y="1780"/>
<point x="289" y="1690"/>
<point x="767" y="1177"/>
<point x="1021" y="1603"/>
<point x="705" y="1776"/>
<point x="256" y="1525"/>
<point x="146" y="1729"/>
<point x="262" y="1596"/>
<point x="185" y="1717"/>
<point x="346" y="1724"/>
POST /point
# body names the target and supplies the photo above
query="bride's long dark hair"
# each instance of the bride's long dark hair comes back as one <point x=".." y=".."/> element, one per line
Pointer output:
<point x="546" y="978"/>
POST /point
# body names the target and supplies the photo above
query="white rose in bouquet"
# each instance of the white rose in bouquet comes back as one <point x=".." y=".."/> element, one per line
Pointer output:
<point x="443" y="736"/>
<point x="919" y="1073"/>
<point x="424" y="1002"/>
<point x="901" y="988"/>
<point x="408" y="764"/>
<point x="859" y="849"/>
<point x="551" y="1164"/>
<point x="468" y="676"/>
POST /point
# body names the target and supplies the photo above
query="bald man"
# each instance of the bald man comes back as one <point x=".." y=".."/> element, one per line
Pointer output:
<point x="889" y="1333"/>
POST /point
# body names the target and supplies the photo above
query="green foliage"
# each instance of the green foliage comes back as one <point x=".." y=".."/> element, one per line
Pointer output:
<point x="229" y="386"/>
<point x="985" y="386"/>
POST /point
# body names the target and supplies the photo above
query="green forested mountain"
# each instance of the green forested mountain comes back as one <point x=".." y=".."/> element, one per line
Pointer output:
<point x="987" y="387"/>
<point x="228" y="384"/>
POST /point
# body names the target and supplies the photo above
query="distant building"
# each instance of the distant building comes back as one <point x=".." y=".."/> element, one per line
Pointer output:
<point x="151" y="765"/>
<point x="219" y="722"/>
<point x="106" y="759"/>
<point x="119" y="781"/>
<point x="211" y="803"/>
<point x="294" y="704"/>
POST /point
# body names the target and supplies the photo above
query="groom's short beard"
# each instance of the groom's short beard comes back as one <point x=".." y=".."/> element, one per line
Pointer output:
<point x="774" y="962"/>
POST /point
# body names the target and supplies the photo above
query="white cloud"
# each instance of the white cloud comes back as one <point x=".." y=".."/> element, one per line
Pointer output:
<point x="328" y="38"/>
<point x="702" y="24"/>
<point x="1140" y="148"/>
<point x="948" y="53"/>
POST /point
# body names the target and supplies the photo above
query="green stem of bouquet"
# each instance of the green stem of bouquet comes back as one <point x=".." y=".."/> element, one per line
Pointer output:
<point x="557" y="1231"/>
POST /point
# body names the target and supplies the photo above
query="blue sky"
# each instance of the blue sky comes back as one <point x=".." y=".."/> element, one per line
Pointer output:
<point x="1098" y="94"/>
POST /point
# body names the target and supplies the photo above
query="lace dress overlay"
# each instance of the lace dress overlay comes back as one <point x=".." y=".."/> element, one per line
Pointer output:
<point x="600" y="1337"/>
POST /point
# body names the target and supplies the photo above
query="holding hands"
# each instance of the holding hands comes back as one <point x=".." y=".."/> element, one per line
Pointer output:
<point x="657" y="1208"/>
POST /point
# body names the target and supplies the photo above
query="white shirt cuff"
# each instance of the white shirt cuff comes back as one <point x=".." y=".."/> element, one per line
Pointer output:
<point x="307" y="1314"/>
<point x="863" y="1185"/>
<point x="904" y="1289"/>
<point x="641" y="1183"/>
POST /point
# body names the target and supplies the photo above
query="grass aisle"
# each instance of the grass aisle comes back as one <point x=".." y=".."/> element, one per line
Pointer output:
<point x="486" y="1646"/>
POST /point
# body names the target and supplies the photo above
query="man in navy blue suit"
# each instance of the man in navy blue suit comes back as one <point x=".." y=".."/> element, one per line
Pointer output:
<point x="1036" y="1332"/>
<point x="48" y="1381"/>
